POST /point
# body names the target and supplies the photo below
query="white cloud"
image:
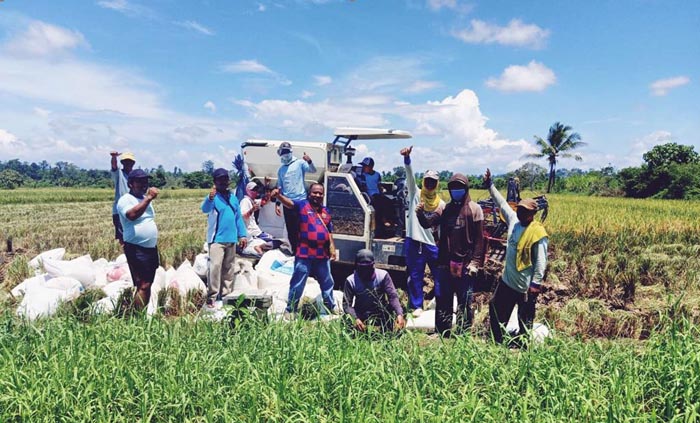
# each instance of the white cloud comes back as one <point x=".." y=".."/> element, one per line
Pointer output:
<point x="9" y="141"/>
<point x="209" y="105"/>
<point x="41" y="112"/>
<point x="195" y="26"/>
<point x="126" y="7"/>
<point x="454" y="5"/>
<point x="533" y="77"/>
<point x="322" y="80"/>
<point x="516" y="33"/>
<point x="43" y="40"/>
<point x="421" y="86"/>
<point x="246" y="66"/>
<point x="261" y="7"/>
<point x="306" y="94"/>
<point x="661" y="87"/>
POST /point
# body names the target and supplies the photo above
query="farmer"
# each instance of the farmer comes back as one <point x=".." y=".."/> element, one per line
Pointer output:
<point x="312" y="255"/>
<point x="420" y="245"/>
<point x="460" y="253"/>
<point x="258" y="241"/>
<point x="369" y="182"/>
<point x="225" y="229"/>
<point x="290" y="181"/>
<point x="119" y="177"/>
<point x="526" y="260"/>
<point x="370" y="298"/>
<point x="140" y="234"/>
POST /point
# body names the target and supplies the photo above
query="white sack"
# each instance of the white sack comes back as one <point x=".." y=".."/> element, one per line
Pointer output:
<point x="55" y="254"/>
<point x="28" y="284"/>
<point x="157" y="286"/>
<point x="113" y="290"/>
<point x="42" y="301"/>
<point x="201" y="265"/>
<point x="245" y="278"/>
<point x="79" y="268"/>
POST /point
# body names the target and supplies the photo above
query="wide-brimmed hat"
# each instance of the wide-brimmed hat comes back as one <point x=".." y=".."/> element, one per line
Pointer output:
<point x="127" y="156"/>
<point x="528" y="204"/>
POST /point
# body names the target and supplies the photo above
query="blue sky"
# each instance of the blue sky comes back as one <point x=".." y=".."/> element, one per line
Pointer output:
<point x="179" y="82"/>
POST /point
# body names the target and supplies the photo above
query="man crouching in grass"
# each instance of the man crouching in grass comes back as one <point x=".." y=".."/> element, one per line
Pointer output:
<point x="140" y="234"/>
<point x="370" y="298"/>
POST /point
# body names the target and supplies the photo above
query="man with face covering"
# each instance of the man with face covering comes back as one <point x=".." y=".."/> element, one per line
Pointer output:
<point x="460" y="253"/>
<point x="312" y="256"/>
<point x="370" y="297"/>
<point x="225" y="230"/>
<point x="140" y="234"/>
<point x="290" y="181"/>
<point x="526" y="261"/>
<point x="420" y="245"/>
<point x="121" y="187"/>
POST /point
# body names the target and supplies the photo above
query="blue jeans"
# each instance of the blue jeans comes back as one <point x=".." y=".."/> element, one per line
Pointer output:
<point x="418" y="255"/>
<point x="446" y="286"/>
<point x="303" y="268"/>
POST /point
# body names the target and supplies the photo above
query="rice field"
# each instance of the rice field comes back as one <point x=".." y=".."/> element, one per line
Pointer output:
<point x="622" y="299"/>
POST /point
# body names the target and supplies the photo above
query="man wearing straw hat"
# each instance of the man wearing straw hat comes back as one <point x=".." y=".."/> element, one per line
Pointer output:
<point x="120" y="179"/>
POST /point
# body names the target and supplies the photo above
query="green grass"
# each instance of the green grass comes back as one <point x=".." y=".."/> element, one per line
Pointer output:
<point x="154" y="370"/>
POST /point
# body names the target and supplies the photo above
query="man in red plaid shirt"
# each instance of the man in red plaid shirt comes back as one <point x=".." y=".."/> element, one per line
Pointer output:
<point x="312" y="255"/>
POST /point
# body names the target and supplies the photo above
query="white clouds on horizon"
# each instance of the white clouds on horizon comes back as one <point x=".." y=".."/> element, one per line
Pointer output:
<point x="533" y="77"/>
<point x="661" y="87"/>
<point x="254" y="67"/>
<point x="422" y="86"/>
<point x="516" y="33"/>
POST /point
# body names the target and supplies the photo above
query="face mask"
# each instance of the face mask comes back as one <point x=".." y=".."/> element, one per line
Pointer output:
<point x="365" y="271"/>
<point x="458" y="194"/>
<point x="286" y="158"/>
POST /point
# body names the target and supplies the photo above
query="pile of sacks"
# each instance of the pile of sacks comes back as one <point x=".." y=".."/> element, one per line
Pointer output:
<point x="57" y="280"/>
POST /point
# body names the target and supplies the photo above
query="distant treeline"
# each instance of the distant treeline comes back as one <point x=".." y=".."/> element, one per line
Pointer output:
<point x="669" y="171"/>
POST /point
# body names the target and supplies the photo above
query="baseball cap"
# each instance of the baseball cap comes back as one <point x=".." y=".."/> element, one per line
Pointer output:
<point x="127" y="156"/>
<point x="285" y="147"/>
<point x="138" y="174"/>
<point x="220" y="173"/>
<point x="367" y="161"/>
<point x="528" y="203"/>
<point x="251" y="186"/>
<point x="431" y="174"/>
<point x="364" y="256"/>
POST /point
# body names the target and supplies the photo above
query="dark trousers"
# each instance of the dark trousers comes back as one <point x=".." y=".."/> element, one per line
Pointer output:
<point x="291" y="221"/>
<point x="501" y="306"/>
<point x="446" y="287"/>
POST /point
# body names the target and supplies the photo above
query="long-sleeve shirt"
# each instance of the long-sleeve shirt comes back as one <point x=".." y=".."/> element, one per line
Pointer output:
<point x="533" y="275"/>
<point x="225" y="223"/>
<point x="375" y="298"/>
<point x="290" y="178"/>
<point x="119" y="177"/>
<point x="414" y="230"/>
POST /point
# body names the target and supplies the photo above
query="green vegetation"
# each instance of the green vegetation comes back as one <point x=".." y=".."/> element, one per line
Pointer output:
<point x="136" y="369"/>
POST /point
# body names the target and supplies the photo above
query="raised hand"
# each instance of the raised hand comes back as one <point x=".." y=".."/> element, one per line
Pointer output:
<point x="406" y="151"/>
<point x="487" y="177"/>
<point x="114" y="153"/>
<point x="306" y="158"/>
<point x="212" y="193"/>
<point x="152" y="193"/>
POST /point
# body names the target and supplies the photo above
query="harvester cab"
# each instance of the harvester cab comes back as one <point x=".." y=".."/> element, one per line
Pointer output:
<point x="353" y="215"/>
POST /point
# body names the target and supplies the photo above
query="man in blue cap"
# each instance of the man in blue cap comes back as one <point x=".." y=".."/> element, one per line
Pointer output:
<point x="290" y="181"/>
<point x="369" y="181"/>
<point x="225" y="229"/>
<point x="140" y="234"/>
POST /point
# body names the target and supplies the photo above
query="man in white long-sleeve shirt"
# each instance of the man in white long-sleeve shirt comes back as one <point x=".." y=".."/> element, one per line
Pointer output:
<point x="526" y="261"/>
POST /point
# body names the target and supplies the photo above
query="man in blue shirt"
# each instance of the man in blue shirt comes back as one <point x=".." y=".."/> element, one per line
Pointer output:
<point x="140" y="234"/>
<point x="119" y="178"/>
<point x="369" y="182"/>
<point x="226" y="228"/>
<point x="290" y="181"/>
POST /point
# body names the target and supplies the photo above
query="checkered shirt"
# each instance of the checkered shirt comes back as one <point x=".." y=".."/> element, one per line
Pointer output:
<point x="313" y="237"/>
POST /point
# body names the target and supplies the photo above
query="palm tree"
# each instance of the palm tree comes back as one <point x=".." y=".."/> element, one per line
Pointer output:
<point x="558" y="144"/>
